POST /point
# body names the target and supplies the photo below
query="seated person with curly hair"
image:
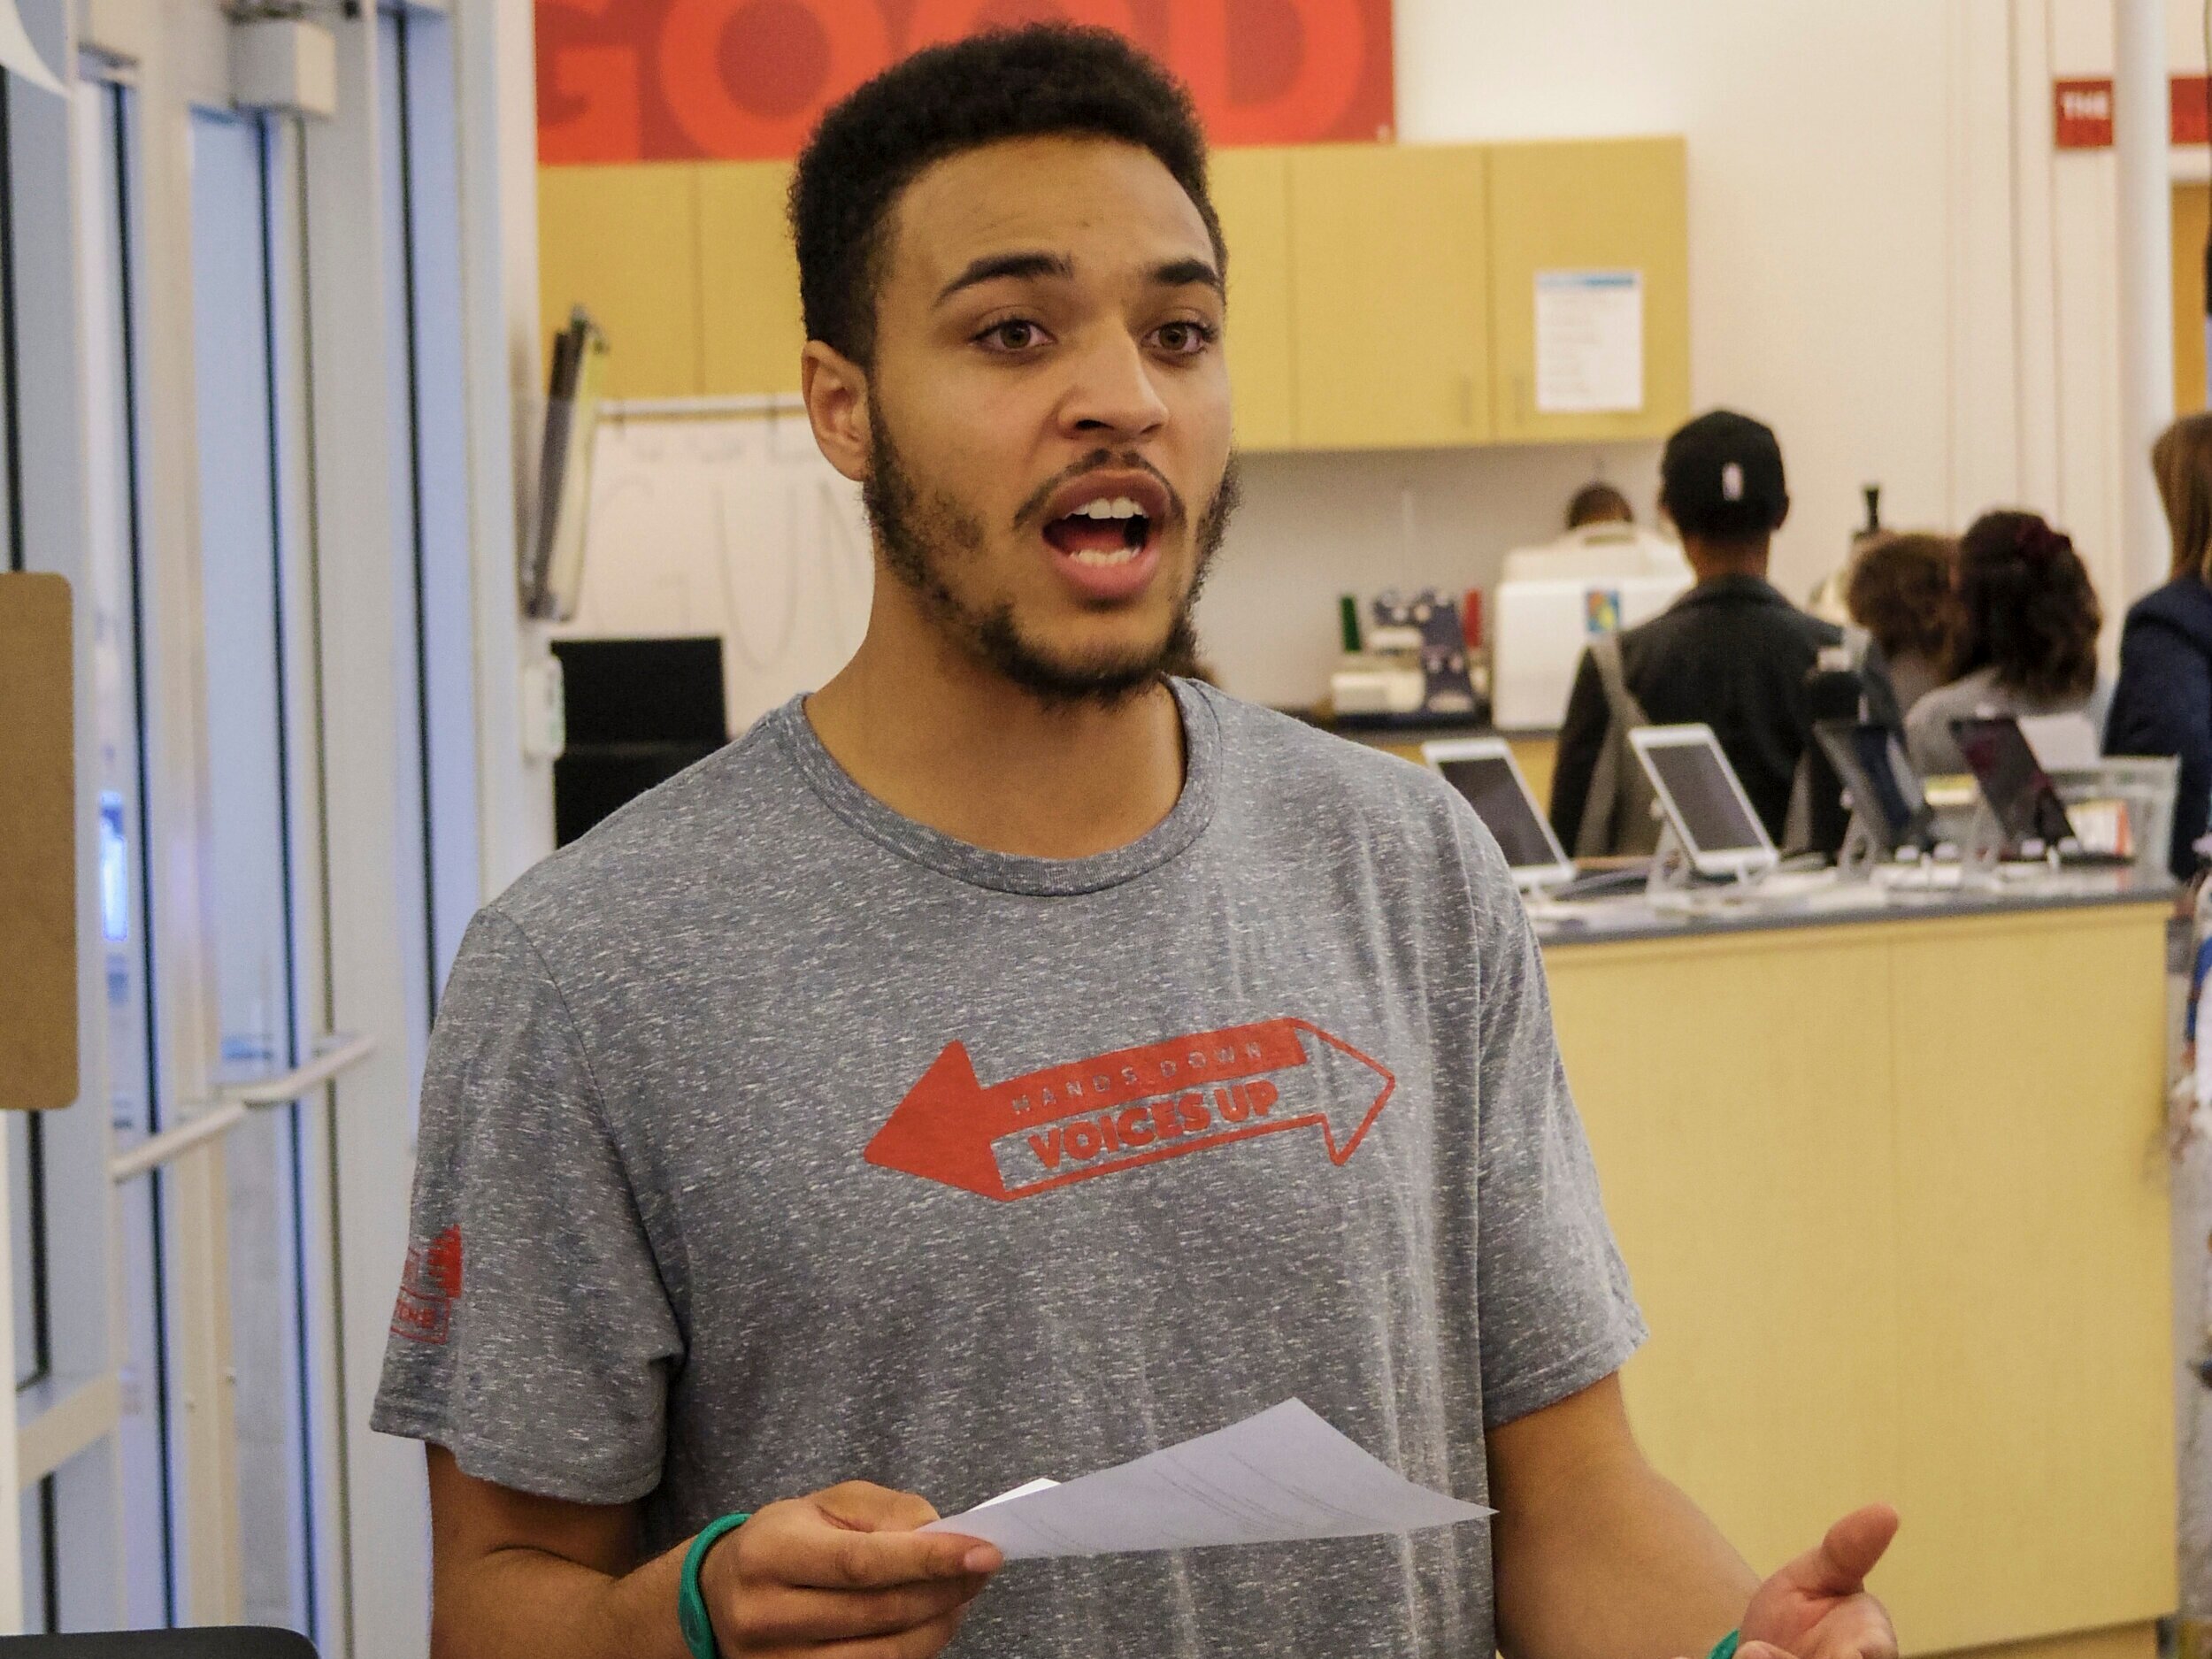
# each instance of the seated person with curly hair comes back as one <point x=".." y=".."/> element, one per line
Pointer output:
<point x="2027" y="620"/>
<point x="1899" y="589"/>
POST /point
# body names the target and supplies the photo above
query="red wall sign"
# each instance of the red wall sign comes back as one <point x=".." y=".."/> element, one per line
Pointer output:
<point x="2081" y="112"/>
<point x="671" y="80"/>
<point x="2188" y="108"/>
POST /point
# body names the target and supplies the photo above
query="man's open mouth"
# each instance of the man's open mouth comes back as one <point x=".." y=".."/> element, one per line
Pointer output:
<point x="1106" y="531"/>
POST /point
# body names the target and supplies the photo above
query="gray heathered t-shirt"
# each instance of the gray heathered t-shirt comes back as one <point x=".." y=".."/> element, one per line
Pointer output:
<point x="772" y="1140"/>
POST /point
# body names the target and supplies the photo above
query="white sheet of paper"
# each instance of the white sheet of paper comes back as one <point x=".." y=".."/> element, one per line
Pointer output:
<point x="1282" y="1474"/>
<point x="1589" y="341"/>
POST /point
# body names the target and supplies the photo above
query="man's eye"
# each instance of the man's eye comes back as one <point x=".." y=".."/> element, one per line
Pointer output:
<point x="1183" y="339"/>
<point x="1016" y="334"/>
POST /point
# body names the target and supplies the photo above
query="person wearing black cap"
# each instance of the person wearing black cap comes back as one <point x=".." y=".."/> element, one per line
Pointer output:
<point x="1732" y="653"/>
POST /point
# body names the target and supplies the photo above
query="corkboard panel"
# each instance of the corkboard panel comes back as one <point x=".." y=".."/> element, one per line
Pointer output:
<point x="38" y="853"/>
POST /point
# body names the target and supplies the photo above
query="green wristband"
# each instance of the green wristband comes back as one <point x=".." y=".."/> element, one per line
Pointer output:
<point x="1724" y="1648"/>
<point x="691" y="1607"/>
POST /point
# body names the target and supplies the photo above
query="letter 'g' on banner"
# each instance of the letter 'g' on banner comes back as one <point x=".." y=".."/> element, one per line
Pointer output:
<point x="738" y="79"/>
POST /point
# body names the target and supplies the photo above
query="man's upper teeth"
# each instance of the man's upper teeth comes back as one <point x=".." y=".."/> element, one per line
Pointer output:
<point x="1119" y="507"/>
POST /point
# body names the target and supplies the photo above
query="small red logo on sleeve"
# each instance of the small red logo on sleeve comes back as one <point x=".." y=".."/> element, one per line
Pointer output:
<point x="428" y="1289"/>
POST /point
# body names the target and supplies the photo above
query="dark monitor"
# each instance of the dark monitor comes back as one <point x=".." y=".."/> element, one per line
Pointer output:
<point x="642" y="691"/>
<point x="2019" y="792"/>
<point x="638" y="713"/>
<point x="1885" y="790"/>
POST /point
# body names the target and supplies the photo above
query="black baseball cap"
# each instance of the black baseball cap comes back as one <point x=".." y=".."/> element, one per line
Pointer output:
<point x="1721" y="478"/>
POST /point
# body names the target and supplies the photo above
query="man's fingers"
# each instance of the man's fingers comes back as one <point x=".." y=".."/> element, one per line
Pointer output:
<point x="828" y="1559"/>
<point x="865" y="1507"/>
<point x="1853" y="1544"/>
<point x="1760" y="1650"/>
<point x="829" y="1541"/>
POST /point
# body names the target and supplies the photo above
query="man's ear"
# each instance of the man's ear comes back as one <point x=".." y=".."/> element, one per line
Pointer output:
<point x="1782" y="515"/>
<point x="835" y="389"/>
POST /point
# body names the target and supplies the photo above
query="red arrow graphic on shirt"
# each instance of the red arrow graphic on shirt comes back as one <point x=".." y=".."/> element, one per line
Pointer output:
<point x="1133" y="1107"/>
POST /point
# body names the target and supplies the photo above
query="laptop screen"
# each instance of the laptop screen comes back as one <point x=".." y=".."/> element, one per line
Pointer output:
<point x="1503" y="806"/>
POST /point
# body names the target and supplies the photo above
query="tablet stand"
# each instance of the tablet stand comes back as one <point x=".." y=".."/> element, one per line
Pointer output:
<point x="1672" y="870"/>
<point x="1860" y="853"/>
<point x="1985" y="846"/>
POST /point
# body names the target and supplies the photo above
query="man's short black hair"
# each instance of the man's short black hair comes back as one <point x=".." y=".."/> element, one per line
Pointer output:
<point x="1036" y="81"/>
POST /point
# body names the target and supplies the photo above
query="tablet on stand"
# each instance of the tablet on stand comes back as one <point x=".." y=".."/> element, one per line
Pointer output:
<point x="1710" y="829"/>
<point x="1890" y="815"/>
<point x="2021" y="816"/>
<point x="1484" y="771"/>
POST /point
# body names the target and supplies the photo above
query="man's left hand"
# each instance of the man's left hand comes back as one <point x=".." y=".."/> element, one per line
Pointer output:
<point x="1818" y="1607"/>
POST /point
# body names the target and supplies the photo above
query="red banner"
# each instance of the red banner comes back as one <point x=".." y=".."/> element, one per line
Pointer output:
<point x="675" y="79"/>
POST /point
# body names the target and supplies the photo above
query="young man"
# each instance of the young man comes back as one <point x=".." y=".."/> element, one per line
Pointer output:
<point x="1006" y="1061"/>
<point x="1732" y="653"/>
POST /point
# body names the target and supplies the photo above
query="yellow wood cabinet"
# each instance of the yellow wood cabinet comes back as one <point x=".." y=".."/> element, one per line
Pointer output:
<point x="1389" y="296"/>
<point x="749" y="280"/>
<point x="1251" y="192"/>
<point x="1382" y="295"/>
<point x="623" y="241"/>
<point x="1588" y="206"/>
<point x="1893" y="1204"/>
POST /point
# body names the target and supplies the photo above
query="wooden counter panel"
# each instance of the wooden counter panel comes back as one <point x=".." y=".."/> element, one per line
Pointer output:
<point x="1914" y="1247"/>
<point x="2038" y="1460"/>
<point x="1728" y="1165"/>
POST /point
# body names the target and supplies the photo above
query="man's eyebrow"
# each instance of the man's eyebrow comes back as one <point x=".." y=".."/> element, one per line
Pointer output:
<point x="1182" y="272"/>
<point x="999" y="266"/>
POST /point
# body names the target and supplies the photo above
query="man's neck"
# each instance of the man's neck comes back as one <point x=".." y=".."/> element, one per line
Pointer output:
<point x="1711" y="561"/>
<point x="941" y="738"/>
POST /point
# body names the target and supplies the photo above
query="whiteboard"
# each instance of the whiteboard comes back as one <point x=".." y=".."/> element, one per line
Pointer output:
<point x="731" y="526"/>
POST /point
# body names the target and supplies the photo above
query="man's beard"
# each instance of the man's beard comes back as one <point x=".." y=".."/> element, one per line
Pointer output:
<point x="921" y="535"/>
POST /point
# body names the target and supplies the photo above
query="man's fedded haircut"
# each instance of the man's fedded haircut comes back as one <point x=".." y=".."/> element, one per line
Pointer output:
<point x="1037" y="81"/>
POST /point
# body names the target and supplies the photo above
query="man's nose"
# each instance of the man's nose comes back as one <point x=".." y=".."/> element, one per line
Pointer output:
<point x="1113" y="394"/>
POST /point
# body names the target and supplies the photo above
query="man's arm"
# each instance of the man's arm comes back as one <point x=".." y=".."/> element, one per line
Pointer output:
<point x="518" y="1576"/>
<point x="1597" y="1557"/>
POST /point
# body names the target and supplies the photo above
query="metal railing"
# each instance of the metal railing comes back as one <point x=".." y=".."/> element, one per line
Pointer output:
<point x="336" y="1053"/>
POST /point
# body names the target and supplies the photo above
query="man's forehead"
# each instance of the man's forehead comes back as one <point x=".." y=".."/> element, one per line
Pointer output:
<point x="1048" y="193"/>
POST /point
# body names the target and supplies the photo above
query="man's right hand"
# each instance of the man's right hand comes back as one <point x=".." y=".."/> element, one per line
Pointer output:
<point x="844" y="1569"/>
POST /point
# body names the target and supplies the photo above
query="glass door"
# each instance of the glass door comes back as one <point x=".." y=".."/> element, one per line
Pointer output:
<point x="241" y="287"/>
<point x="105" y="117"/>
<point x="225" y="1420"/>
